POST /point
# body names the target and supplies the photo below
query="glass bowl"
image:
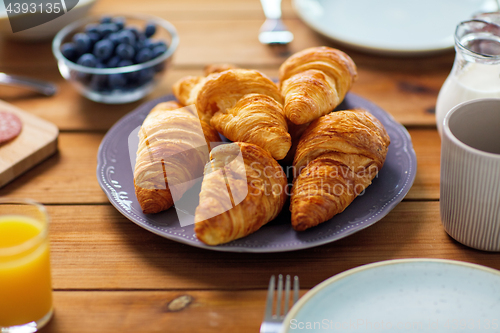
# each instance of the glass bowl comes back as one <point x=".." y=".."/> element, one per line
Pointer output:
<point x="141" y="79"/>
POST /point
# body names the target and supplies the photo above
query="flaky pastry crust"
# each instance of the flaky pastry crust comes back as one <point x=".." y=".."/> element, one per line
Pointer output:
<point x="238" y="194"/>
<point x="337" y="158"/>
<point x="222" y="91"/>
<point x="257" y="119"/>
<point x="314" y="81"/>
<point x="171" y="141"/>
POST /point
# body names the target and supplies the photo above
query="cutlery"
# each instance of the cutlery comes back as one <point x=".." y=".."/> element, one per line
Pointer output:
<point x="42" y="87"/>
<point x="273" y="31"/>
<point x="272" y="322"/>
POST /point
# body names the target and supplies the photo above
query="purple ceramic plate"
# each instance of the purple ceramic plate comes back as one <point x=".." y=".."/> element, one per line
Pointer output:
<point x="115" y="175"/>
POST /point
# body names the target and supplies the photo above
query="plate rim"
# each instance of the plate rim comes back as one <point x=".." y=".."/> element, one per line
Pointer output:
<point x="380" y="214"/>
<point x="392" y="262"/>
<point x="416" y="51"/>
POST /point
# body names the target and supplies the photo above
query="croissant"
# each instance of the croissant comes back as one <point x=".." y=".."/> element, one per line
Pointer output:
<point x="245" y="106"/>
<point x="186" y="89"/>
<point x="257" y="119"/>
<point x="223" y="90"/>
<point x="217" y="68"/>
<point x="337" y="158"/>
<point x="172" y="142"/>
<point x="243" y="189"/>
<point x="314" y="81"/>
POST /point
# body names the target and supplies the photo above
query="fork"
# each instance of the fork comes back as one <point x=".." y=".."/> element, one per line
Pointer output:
<point x="273" y="31"/>
<point x="272" y="322"/>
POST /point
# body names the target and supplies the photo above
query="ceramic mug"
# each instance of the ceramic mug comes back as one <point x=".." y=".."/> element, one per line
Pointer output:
<point x="470" y="174"/>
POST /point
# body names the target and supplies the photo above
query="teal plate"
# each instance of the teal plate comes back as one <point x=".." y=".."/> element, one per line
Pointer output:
<point x="407" y="295"/>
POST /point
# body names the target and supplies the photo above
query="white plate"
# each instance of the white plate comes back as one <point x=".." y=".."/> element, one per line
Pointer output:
<point x="398" y="27"/>
<point x="410" y="295"/>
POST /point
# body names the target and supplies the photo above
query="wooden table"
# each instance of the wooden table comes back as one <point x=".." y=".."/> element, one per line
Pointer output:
<point x="110" y="275"/>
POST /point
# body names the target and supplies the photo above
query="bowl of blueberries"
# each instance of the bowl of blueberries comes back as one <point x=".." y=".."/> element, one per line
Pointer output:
<point x="115" y="60"/>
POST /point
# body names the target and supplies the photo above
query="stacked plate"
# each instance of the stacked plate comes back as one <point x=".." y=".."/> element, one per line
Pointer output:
<point x="396" y="27"/>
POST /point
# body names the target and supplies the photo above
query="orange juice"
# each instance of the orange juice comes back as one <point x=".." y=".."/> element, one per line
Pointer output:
<point x="25" y="283"/>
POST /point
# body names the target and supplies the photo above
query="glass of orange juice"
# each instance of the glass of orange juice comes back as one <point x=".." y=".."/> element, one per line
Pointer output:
<point x="25" y="279"/>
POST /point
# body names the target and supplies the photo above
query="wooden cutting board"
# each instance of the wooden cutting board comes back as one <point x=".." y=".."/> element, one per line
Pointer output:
<point x="36" y="142"/>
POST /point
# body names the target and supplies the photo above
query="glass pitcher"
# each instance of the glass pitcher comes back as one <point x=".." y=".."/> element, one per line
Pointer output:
<point x="476" y="70"/>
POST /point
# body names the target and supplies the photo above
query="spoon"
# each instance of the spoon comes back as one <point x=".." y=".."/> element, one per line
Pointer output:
<point x="42" y="87"/>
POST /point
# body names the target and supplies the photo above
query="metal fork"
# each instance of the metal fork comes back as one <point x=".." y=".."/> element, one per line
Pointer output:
<point x="272" y="322"/>
<point x="273" y="31"/>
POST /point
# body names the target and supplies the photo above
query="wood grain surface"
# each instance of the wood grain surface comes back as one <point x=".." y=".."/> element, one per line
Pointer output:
<point x="110" y="275"/>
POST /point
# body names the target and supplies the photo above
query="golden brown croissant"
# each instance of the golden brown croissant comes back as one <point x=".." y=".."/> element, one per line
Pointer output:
<point x="245" y="106"/>
<point x="337" y="157"/>
<point x="223" y="90"/>
<point x="243" y="189"/>
<point x="217" y="68"/>
<point x="256" y="119"/>
<point x="186" y="89"/>
<point x="314" y="81"/>
<point x="171" y="141"/>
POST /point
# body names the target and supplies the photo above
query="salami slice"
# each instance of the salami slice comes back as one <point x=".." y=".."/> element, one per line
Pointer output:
<point x="10" y="126"/>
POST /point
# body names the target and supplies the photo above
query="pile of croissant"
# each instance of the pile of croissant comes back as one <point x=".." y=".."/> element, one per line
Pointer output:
<point x="335" y="155"/>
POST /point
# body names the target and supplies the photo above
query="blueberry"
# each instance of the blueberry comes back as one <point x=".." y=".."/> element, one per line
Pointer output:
<point x="69" y="51"/>
<point x="107" y="29"/>
<point x="139" y="36"/>
<point x="100" y="65"/>
<point x="83" y="77"/>
<point x="87" y="60"/>
<point x="146" y="75"/>
<point x="127" y="37"/>
<point x="132" y="77"/>
<point x="98" y="82"/>
<point x="92" y="27"/>
<point x="120" y="22"/>
<point x="82" y="42"/>
<point x="135" y="31"/>
<point x="103" y="49"/>
<point x="160" y="43"/>
<point x="117" y="80"/>
<point x="143" y="55"/>
<point x="125" y="51"/>
<point x="159" y="50"/>
<point x="138" y="46"/>
<point x="124" y="63"/>
<point x="159" y="67"/>
<point x="113" y="62"/>
<point x="94" y="37"/>
<point x="146" y="43"/>
<point x="150" y="29"/>
<point x="106" y="19"/>
<point x="115" y="38"/>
